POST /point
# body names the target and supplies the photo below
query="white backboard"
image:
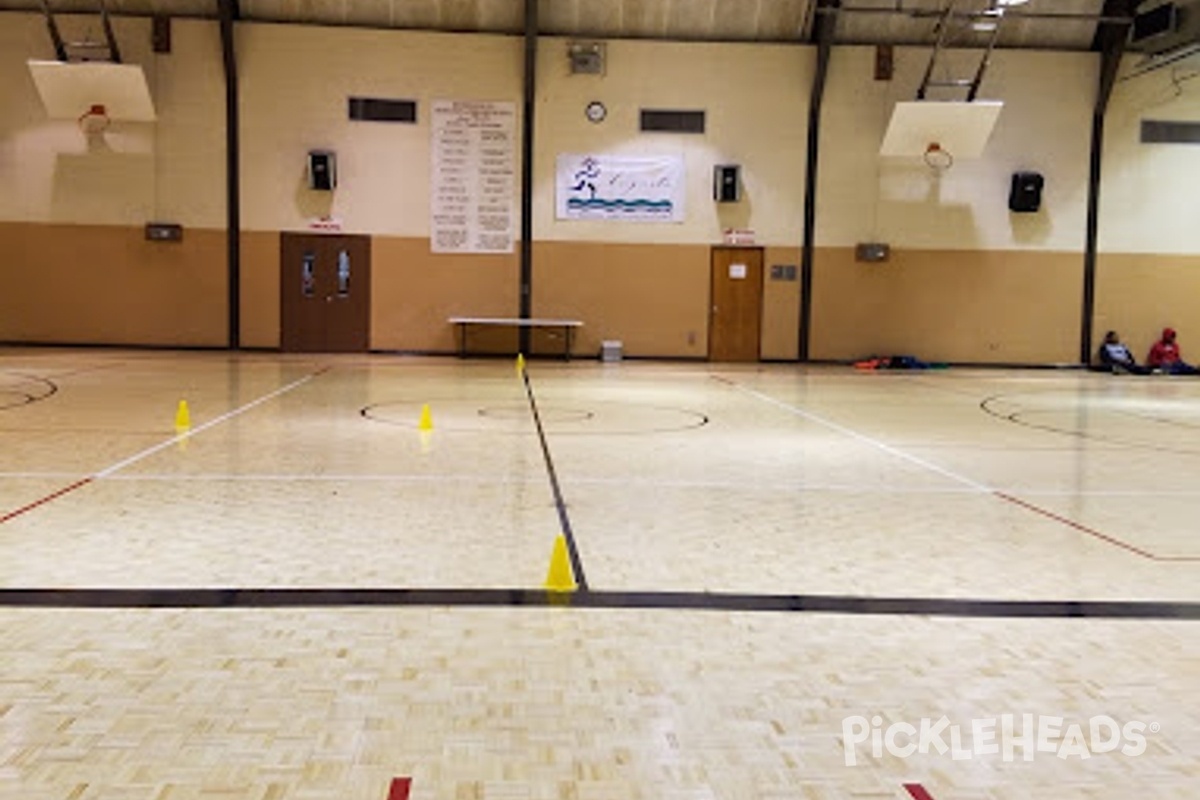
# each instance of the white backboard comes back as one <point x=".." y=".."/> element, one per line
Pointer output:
<point x="960" y="128"/>
<point x="69" y="90"/>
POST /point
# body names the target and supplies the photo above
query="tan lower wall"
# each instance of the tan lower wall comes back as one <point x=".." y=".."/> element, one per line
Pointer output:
<point x="781" y="307"/>
<point x="1139" y="294"/>
<point x="96" y="284"/>
<point x="653" y="298"/>
<point x="259" y="262"/>
<point x="414" y="291"/>
<point x="88" y="284"/>
<point x="1000" y="307"/>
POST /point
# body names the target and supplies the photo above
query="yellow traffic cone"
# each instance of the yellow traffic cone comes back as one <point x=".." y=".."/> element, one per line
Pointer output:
<point x="560" y="578"/>
<point x="183" y="418"/>
<point x="426" y="423"/>
<point x="520" y="364"/>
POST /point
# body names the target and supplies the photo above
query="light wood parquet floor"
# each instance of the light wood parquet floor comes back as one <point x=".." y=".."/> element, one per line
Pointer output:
<point x="309" y="472"/>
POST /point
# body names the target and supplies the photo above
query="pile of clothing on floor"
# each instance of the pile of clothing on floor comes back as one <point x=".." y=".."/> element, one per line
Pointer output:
<point x="895" y="362"/>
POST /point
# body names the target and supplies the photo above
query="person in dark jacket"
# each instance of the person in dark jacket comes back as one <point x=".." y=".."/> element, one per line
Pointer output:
<point x="1116" y="356"/>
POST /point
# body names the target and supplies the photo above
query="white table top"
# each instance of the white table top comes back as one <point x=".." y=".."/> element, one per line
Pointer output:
<point x="559" y="323"/>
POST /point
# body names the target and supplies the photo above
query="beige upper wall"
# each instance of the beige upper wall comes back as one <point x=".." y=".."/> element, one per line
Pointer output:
<point x="169" y="170"/>
<point x="190" y="98"/>
<point x="1148" y="194"/>
<point x="756" y="99"/>
<point x="1045" y="126"/>
<point x="295" y="82"/>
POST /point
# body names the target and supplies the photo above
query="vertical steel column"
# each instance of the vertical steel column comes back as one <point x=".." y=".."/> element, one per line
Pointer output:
<point x="527" y="137"/>
<point x="823" y="28"/>
<point x="1110" y="41"/>
<point x="228" y="14"/>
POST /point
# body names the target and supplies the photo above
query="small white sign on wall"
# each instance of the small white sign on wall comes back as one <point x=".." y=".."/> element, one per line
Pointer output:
<point x="471" y="198"/>
<point x="737" y="272"/>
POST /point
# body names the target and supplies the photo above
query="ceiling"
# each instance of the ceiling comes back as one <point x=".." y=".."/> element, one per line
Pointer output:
<point x="862" y="21"/>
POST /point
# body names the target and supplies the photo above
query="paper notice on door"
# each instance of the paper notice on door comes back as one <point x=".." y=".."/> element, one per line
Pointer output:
<point x="737" y="272"/>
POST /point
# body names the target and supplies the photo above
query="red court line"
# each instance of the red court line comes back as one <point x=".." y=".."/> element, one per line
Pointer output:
<point x="1104" y="537"/>
<point x="48" y="498"/>
<point x="400" y="789"/>
<point x="917" y="792"/>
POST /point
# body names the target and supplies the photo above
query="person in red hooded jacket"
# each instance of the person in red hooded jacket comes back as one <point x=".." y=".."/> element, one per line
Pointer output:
<point x="1166" y="356"/>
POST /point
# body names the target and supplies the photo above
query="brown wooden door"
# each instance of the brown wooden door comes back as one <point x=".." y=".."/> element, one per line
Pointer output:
<point x="735" y="314"/>
<point x="325" y="293"/>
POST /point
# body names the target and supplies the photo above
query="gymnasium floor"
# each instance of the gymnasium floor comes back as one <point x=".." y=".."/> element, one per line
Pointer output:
<point x="303" y="596"/>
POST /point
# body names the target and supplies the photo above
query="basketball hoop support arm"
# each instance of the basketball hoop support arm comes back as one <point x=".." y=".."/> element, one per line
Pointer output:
<point x="972" y="85"/>
<point x="114" y="52"/>
<point x="60" y="47"/>
<point x="984" y="61"/>
<point x="943" y="26"/>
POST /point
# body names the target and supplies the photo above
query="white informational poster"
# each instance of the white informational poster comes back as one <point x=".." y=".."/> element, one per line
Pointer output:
<point x="628" y="188"/>
<point x="471" y="197"/>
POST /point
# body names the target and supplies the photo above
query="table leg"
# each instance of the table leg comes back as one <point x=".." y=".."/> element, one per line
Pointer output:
<point x="462" y="340"/>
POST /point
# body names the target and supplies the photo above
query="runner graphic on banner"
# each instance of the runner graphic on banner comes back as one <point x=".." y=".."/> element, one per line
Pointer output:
<point x="627" y="188"/>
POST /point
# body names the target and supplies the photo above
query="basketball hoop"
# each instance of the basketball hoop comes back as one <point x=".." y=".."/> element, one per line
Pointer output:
<point x="938" y="159"/>
<point x="94" y="121"/>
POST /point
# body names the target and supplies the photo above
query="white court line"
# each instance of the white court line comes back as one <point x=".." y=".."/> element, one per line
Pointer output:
<point x="136" y="457"/>
<point x="327" y="478"/>
<point x="846" y="488"/>
<point x="862" y="437"/>
<point x="43" y="475"/>
<point x="505" y="480"/>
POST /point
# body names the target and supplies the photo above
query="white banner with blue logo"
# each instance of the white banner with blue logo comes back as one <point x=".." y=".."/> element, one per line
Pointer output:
<point x="628" y="188"/>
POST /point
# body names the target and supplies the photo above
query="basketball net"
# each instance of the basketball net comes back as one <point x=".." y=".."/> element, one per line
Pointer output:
<point x="938" y="159"/>
<point x="94" y="121"/>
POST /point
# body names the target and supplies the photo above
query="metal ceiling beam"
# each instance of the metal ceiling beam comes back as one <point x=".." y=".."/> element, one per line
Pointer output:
<point x="1110" y="40"/>
<point x="527" y="139"/>
<point x="933" y="13"/>
<point x="822" y="36"/>
<point x="60" y="47"/>
<point x="228" y="13"/>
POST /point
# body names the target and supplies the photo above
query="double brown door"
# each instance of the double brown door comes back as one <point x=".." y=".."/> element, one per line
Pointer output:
<point x="325" y="293"/>
<point x="735" y="318"/>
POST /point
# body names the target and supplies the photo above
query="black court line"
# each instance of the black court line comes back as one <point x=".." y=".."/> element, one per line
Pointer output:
<point x="560" y="504"/>
<point x="537" y="598"/>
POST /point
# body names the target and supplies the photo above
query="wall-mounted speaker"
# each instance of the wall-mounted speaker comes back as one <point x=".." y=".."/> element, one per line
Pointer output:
<point x="1026" y="192"/>
<point x="727" y="185"/>
<point x="586" y="58"/>
<point x="322" y="170"/>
